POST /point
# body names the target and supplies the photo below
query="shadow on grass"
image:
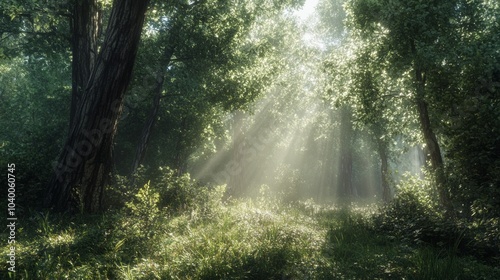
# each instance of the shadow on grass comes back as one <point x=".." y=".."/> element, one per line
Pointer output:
<point x="242" y="242"/>
<point x="359" y="252"/>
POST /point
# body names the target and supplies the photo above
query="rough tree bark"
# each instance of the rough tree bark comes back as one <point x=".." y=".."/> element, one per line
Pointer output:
<point x="85" y="29"/>
<point x="85" y="162"/>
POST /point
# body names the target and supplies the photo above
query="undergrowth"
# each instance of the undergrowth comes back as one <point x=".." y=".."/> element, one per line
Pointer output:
<point x="176" y="229"/>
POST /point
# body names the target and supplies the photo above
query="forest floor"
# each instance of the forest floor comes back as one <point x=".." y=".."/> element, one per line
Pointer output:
<point x="240" y="239"/>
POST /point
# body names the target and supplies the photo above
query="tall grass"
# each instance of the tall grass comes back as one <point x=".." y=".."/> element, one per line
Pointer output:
<point x="211" y="239"/>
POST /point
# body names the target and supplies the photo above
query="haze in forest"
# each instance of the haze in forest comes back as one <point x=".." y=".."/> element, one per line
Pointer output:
<point x="289" y="139"/>
<point x="250" y="139"/>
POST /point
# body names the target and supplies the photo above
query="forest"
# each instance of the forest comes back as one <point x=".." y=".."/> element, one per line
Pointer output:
<point x="250" y="139"/>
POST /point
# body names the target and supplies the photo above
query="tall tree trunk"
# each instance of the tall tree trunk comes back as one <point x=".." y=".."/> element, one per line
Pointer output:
<point x="85" y="29"/>
<point x="382" y="148"/>
<point x="85" y="162"/>
<point x="141" y="148"/>
<point x="345" y="165"/>
<point x="140" y="151"/>
<point x="384" y="169"/>
<point x="431" y="142"/>
<point x="422" y="160"/>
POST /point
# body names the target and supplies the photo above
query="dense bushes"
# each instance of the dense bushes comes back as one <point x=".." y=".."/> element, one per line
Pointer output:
<point x="176" y="192"/>
<point x="196" y="237"/>
<point x="236" y="239"/>
<point x="414" y="218"/>
<point x="412" y="215"/>
<point x="173" y="228"/>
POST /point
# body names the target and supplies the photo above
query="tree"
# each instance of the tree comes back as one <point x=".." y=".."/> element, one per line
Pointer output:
<point x="35" y="78"/>
<point x="442" y="55"/>
<point x="85" y="162"/>
<point x="344" y="180"/>
<point x="85" y="31"/>
<point x="413" y="40"/>
<point x="165" y="59"/>
<point x="209" y="71"/>
<point x="381" y="108"/>
<point x="469" y="84"/>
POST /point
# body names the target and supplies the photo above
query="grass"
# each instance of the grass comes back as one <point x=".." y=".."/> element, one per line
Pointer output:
<point x="239" y="239"/>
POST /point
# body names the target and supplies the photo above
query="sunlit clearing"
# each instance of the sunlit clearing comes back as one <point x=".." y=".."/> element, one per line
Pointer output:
<point x="290" y="143"/>
<point x="271" y="146"/>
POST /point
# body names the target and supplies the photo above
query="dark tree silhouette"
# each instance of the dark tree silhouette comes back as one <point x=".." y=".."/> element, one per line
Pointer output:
<point x="85" y="162"/>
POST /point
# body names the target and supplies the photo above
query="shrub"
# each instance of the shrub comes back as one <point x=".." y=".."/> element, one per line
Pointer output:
<point x="177" y="192"/>
<point x="484" y="235"/>
<point x="144" y="206"/>
<point x="413" y="216"/>
<point x="123" y="188"/>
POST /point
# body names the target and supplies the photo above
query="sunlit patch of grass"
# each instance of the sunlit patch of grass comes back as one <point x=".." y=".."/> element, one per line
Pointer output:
<point x="64" y="239"/>
<point x="243" y="243"/>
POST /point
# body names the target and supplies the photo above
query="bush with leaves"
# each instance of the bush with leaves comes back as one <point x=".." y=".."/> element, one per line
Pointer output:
<point x="484" y="235"/>
<point x="177" y="192"/>
<point x="413" y="216"/>
<point x="139" y="221"/>
<point x="123" y="188"/>
<point x="145" y="204"/>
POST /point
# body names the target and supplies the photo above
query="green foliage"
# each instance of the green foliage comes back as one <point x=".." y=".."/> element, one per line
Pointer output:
<point x="434" y="265"/>
<point x="286" y="188"/>
<point x="166" y="190"/>
<point x="181" y="193"/>
<point x="144" y="206"/>
<point x="413" y="216"/>
<point x="225" y="55"/>
<point x="361" y="251"/>
<point x="176" y="192"/>
<point x="243" y="241"/>
<point x="122" y="188"/>
<point x="474" y="151"/>
<point x="44" y="226"/>
<point x="484" y="235"/>
<point x="34" y="27"/>
<point x="164" y="225"/>
<point x="33" y="94"/>
<point x="453" y="44"/>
